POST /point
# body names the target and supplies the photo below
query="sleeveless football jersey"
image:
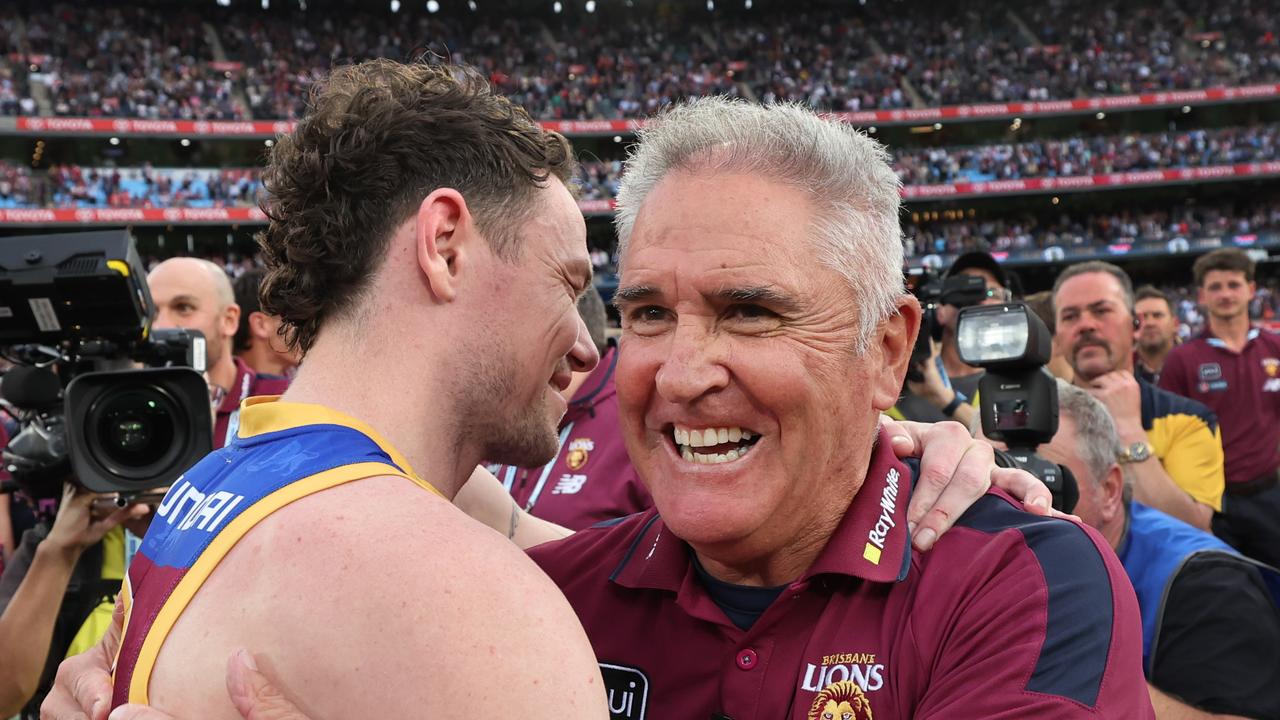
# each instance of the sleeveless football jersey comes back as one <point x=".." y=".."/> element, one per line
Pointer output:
<point x="282" y="452"/>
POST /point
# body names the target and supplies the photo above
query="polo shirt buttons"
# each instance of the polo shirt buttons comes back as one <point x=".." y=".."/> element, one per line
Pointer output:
<point x="747" y="659"/>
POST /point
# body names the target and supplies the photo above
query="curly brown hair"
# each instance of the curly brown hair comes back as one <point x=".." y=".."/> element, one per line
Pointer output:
<point x="378" y="137"/>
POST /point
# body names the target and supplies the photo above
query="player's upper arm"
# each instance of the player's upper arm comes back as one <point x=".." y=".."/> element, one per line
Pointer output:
<point x="376" y="600"/>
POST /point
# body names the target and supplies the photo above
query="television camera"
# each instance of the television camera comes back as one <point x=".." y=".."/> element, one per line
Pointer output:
<point x="958" y="290"/>
<point x="98" y="395"/>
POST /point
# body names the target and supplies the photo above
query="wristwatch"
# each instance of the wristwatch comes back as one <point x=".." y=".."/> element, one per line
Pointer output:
<point x="1135" y="453"/>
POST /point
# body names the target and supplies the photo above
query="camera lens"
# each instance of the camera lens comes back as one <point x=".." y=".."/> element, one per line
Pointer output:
<point x="135" y="428"/>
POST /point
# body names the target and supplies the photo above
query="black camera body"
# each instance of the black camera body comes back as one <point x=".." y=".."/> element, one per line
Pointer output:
<point x="1018" y="397"/>
<point x="958" y="290"/>
<point x="75" y="319"/>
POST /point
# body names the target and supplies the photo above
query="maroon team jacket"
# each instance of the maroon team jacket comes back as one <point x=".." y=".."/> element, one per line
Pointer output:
<point x="1010" y="615"/>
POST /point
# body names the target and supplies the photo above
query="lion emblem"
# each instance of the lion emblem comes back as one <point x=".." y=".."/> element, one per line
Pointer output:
<point x="841" y="701"/>
<point x="1271" y="365"/>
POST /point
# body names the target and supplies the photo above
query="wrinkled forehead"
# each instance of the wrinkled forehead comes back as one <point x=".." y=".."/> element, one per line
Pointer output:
<point x="703" y="226"/>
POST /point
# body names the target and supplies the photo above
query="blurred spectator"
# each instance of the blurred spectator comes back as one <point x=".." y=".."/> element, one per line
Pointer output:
<point x="139" y="187"/>
<point x="154" y="61"/>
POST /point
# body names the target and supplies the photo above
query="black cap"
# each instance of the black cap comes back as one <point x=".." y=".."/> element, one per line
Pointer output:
<point x="982" y="261"/>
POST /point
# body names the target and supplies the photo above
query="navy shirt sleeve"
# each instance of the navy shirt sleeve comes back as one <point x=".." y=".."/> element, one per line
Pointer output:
<point x="1216" y="648"/>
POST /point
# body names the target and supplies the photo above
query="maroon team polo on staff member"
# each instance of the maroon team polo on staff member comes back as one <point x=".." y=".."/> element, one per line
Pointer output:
<point x="1008" y="613"/>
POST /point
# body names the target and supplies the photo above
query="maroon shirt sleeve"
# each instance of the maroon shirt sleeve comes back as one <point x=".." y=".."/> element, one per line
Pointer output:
<point x="1173" y="376"/>
<point x="1044" y="623"/>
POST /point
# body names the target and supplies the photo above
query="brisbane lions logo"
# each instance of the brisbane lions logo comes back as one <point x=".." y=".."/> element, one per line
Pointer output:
<point x="841" y="701"/>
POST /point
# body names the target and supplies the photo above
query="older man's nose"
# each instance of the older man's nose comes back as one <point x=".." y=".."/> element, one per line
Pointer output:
<point x="693" y="366"/>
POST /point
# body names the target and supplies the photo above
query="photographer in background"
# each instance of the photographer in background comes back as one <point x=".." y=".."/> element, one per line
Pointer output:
<point x="57" y="593"/>
<point x="948" y="386"/>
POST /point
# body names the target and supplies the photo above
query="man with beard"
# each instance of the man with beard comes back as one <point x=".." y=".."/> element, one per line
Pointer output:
<point x="1157" y="332"/>
<point x="1210" y="625"/>
<point x="1170" y="443"/>
<point x="757" y="355"/>
<point x="427" y="255"/>
<point x="1234" y="368"/>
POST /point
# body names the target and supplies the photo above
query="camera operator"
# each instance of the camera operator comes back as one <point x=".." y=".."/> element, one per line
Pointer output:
<point x="949" y="386"/>
<point x="1170" y="443"/>
<point x="1209" y="617"/>
<point x="57" y="594"/>
<point x="196" y="294"/>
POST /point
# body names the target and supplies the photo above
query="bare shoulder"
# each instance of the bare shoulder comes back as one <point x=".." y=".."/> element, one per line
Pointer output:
<point x="376" y="599"/>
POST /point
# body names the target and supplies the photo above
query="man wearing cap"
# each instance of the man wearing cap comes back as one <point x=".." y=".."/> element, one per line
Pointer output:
<point x="950" y="386"/>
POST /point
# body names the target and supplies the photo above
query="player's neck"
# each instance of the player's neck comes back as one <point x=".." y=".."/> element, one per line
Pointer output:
<point x="416" y="418"/>
<point x="1234" y="331"/>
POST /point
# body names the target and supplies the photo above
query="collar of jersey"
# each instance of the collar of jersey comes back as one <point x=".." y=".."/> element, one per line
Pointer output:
<point x="1217" y="342"/>
<point x="264" y="414"/>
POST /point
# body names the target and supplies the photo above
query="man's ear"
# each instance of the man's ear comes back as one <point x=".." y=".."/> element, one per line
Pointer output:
<point x="1112" y="491"/>
<point x="444" y="236"/>
<point x="230" y="320"/>
<point x="260" y="325"/>
<point x="894" y="340"/>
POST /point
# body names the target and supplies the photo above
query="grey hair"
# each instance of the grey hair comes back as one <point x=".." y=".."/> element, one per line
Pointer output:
<point x="1097" y="442"/>
<point x="846" y="174"/>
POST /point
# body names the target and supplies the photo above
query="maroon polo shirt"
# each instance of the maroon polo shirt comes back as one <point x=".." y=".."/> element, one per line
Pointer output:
<point x="1010" y="615"/>
<point x="1242" y="389"/>
<point x="591" y="479"/>
<point x="248" y="383"/>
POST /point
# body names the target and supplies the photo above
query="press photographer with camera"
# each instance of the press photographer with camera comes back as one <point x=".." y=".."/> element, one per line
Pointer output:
<point x="940" y="385"/>
<point x="57" y="593"/>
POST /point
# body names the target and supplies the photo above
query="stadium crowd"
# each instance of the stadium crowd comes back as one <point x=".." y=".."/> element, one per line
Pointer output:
<point x="134" y="62"/>
<point x="1165" y="412"/>
<point x="69" y="186"/>
<point x="1090" y="155"/>
<point x="1013" y="231"/>
<point x="128" y="187"/>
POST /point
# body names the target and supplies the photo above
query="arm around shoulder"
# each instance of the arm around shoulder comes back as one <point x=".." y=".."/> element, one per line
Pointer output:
<point x="388" y="602"/>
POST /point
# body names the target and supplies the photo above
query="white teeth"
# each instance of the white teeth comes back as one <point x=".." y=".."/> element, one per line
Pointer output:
<point x="747" y="435"/>
<point x="700" y="458"/>
<point x="687" y="455"/>
<point x="735" y="434"/>
<point x="732" y="455"/>
<point x="722" y="435"/>
<point x="682" y="437"/>
<point x="695" y="438"/>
